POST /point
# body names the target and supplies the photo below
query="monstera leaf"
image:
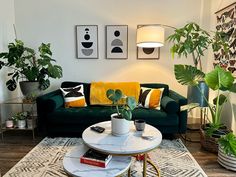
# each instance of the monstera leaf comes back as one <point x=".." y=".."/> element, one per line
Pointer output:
<point x="188" y="75"/>
<point x="219" y="79"/>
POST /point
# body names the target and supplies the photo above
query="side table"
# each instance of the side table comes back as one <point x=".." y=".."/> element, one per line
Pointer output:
<point x="22" y="103"/>
<point x="116" y="167"/>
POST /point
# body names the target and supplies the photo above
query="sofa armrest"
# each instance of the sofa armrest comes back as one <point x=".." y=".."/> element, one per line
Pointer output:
<point x="181" y="100"/>
<point x="169" y="105"/>
<point x="47" y="103"/>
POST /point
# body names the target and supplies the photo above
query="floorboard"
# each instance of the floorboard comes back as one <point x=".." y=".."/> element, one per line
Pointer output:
<point x="16" y="145"/>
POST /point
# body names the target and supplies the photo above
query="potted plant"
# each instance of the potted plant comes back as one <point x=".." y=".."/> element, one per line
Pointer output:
<point x="33" y="69"/>
<point x="227" y="151"/>
<point x="194" y="41"/>
<point x="120" y="119"/>
<point x="10" y="123"/>
<point x="220" y="81"/>
<point x="20" y="119"/>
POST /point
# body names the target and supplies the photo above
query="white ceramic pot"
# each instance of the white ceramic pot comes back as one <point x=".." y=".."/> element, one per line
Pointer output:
<point x="227" y="161"/>
<point x="21" y="124"/>
<point x="9" y="123"/>
<point x="119" y="127"/>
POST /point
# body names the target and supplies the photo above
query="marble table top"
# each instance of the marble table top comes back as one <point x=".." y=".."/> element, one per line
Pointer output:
<point x="72" y="165"/>
<point x="135" y="142"/>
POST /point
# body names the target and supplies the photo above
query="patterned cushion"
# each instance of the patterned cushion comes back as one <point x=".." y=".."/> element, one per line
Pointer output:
<point x="150" y="98"/>
<point x="74" y="96"/>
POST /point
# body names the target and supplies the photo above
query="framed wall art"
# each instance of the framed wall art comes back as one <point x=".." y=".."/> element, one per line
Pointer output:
<point x="87" y="41"/>
<point x="117" y="41"/>
<point x="226" y="22"/>
<point x="148" y="53"/>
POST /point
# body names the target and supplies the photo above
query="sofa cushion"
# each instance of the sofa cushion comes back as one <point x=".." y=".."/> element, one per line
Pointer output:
<point x="157" y="85"/>
<point x="68" y="84"/>
<point x="150" y="98"/>
<point x="156" y="117"/>
<point x="74" y="96"/>
<point x="169" y="105"/>
<point x="85" y="115"/>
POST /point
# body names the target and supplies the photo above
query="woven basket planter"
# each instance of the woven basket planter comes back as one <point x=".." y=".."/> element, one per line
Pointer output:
<point x="208" y="143"/>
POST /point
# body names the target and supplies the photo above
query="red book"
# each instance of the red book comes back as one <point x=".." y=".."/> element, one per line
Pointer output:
<point x="95" y="158"/>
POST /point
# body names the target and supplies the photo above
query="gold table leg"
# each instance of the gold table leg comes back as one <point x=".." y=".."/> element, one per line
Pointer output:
<point x="145" y="161"/>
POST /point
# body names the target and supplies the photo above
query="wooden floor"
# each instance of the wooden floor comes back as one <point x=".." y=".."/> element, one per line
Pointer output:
<point x="16" y="145"/>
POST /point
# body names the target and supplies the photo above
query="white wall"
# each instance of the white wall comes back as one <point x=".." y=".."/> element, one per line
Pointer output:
<point x="7" y="19"/>
<point x="54" y="21"/>
<point x="229" y="113"/>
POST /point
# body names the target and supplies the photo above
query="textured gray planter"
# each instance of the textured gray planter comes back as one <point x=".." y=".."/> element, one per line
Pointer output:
<point x="29" y="88"/>
<point x="21" y="124"/>
<point x="226" y="160"/>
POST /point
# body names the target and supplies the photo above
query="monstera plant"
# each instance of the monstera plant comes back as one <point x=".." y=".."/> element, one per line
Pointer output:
<point x="219" y="80"/>
<point x="25" y="64"/>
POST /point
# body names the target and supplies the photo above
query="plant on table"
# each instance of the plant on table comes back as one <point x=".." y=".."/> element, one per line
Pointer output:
<point x="25" y="64"/>
<point x="124" y="111"/>
<point x="219" y="80"/>
<point x="21" y="116"/>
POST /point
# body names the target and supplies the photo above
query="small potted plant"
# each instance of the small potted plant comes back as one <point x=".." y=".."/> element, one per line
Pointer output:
<point x="227" y="151"/>
<point x="120" y="119"/>
<point x="20" y="119"/>
<point x="34" y="69"/>
<point x="10" y="123"/>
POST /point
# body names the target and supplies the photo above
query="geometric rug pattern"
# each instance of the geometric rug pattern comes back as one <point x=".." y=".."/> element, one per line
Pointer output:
<point x="45" y="160"/>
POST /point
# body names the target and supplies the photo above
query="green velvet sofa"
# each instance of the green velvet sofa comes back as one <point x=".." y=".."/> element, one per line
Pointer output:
<point x="56" y="120"/>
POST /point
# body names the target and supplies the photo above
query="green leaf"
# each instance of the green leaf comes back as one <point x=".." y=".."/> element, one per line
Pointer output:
<point x="55" y="71"/>
<point x="11" y="84"/>
<point x="222" y="99"/>
<point x="131" y="102"/>
<point x="126" y="114"/>
<point x="219" y="79"/>
<point x="114" y="95"/>
<point x="228" y="143"/>
<point x="233" y="88"/>
<point x="188" y="75"/>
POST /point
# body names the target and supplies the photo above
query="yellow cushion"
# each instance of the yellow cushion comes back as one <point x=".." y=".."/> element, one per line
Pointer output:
<point x="150" y="98"/>
<point x="98" y="91"/>
<point x="74" y="96"/>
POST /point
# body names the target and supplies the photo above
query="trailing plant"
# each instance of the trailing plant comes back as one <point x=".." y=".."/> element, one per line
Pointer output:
<point x="124" y="110"/>
<point x="193" y="40"/>
<point x="25" y="64"/>
<point x="228" y="143"/>
<point x="218" y="80"/>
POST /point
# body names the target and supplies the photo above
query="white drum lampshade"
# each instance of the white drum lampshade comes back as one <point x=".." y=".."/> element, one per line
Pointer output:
<point x="150" y="36"/>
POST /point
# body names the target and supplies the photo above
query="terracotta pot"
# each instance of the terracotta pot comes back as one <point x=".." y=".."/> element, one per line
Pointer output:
<point x="119" y="127"/>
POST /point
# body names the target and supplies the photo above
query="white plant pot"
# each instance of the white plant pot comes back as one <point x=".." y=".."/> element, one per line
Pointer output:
<point x="119" y="127"/>
<point x="9" y="123"/>
<point x="225" y="160"/>
<point x="30" y="123"/>
<point x="21" y="124"/>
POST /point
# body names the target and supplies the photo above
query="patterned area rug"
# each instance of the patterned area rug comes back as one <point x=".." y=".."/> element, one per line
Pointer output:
<point x="45" y="160"/>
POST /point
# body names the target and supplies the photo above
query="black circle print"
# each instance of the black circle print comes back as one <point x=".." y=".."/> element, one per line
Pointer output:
<point x="117" y="33"/>
<point x="148" y="51"/>
<point x="87" y="45"/>
<point x="116" y="43"/>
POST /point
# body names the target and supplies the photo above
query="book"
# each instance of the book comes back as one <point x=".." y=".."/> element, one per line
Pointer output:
<point x="95" y="158"/>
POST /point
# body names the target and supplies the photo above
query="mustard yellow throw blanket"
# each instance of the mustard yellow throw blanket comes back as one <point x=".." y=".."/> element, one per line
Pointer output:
<point x="98" y="91"/>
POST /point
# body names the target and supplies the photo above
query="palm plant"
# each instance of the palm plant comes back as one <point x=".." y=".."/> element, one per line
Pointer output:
<point x="218" y="80"/>
<point x="193" y="40"/>
<point x="228" y="143"/>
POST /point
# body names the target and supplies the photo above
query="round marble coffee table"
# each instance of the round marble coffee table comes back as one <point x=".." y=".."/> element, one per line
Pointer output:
<point x="71" y="163"/>
<point x="135" y="143"/>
